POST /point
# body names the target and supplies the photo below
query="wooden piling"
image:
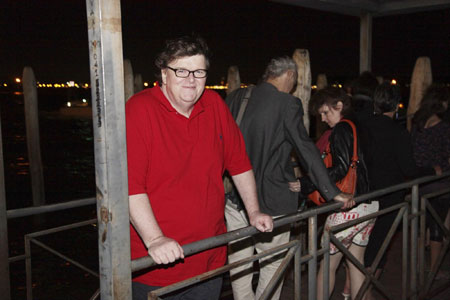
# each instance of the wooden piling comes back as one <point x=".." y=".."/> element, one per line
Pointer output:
<point x="128" y="79"/>
<point x="138" y="83"/>
<point x="421" y="79"/>
<point x="233" y="79"/>
<point x="303" y="91"/>
<point x="33" y="139"/>
<point x="322" y="81"/>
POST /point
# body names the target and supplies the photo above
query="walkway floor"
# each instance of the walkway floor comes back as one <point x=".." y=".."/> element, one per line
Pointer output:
<point x="391" y="279"/>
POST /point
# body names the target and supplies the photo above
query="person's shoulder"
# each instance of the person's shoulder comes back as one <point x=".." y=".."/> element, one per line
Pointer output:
<point x="146" y="95"/>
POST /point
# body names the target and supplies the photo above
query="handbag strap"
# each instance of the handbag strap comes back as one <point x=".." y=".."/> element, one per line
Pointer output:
<point x="244" y="103"/>
<point x="355" y="140"/>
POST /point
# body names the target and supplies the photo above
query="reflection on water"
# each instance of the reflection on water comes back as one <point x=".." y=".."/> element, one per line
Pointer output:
<point x="69" y="173"/>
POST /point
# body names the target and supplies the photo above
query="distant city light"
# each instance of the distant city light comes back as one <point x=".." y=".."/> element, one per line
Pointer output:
<point x="18" y="80"/>
<point x="145" y="84"/>
<point x="393" y="82"/>
<point x="69" y="104"/>
<point x="400" y="105"/>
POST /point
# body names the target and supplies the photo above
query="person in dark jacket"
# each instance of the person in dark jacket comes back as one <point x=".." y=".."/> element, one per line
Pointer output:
<point x="389" y="158"/>
<point x="362" y="89"/>
<point x="333" y="105"/>
<point x="272" y="126"/>
<point x="431" y="147"/>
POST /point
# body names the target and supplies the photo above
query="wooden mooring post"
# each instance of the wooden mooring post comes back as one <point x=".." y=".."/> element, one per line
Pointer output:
<point x="233" y="79"/>
<point x="128" y="79"/>
<point x="107" y="81"/>
<point x="4" y="253"/>
<point x="33" y="139"/>
<point x="303" y="90"/>
<point x="421" y="79"/>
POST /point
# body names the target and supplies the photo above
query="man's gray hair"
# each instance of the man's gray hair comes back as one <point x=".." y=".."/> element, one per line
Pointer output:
<point x="278" y="66"/>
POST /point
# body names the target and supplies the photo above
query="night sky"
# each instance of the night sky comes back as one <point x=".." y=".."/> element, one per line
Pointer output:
<point x="51" y="37"/>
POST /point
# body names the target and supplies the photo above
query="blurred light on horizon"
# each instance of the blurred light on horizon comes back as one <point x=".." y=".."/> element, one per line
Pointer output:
<point x="393" y="82"/>
<point x="17" y="80"/>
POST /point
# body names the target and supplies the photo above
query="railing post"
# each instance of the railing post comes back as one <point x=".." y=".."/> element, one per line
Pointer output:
<point x="29" y="276"/>
<point x="405" y="254"/>
<point x="422" y="227"/>
<point x="107" y="88"/>
<point x="4" y="261"/>
<point x="297" y="273"/>
<point x="414" y="236"/>
<point x="312" y="263"/>
<point x="326" y="264"/>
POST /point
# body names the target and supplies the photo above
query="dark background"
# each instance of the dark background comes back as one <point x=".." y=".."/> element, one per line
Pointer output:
<point x="51" y="37"/>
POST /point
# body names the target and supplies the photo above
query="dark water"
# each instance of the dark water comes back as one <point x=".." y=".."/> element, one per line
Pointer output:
<point x="69" y="173"/>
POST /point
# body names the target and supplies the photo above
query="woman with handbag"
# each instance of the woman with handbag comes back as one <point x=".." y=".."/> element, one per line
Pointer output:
<point x="346" y="167"/>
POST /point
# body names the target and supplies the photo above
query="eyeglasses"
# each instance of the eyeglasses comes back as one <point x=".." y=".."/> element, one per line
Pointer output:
<point x="183" y="73"/>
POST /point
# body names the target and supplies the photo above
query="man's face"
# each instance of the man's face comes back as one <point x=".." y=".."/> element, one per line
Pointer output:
<point x="184" y="92"/>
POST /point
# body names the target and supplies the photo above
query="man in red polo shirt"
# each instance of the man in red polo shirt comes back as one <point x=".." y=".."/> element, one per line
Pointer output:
<point x="180" y="140"/>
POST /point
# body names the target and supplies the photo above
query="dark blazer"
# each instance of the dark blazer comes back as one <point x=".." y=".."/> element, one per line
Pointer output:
<point x="272" y="127"/>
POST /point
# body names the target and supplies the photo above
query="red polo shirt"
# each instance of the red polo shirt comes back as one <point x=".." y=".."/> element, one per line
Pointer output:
<point x="178" y="162"/>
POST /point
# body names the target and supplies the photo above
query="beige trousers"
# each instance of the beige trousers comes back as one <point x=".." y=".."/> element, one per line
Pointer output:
<point x="241" y="277"/>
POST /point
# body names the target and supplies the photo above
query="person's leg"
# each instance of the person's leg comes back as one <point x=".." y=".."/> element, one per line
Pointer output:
<point x="346" y="290"/>
<point x="269" y="265"/>
<point x="140" y="290"/>
<point x="241" y="277"/>
<point x="356" y="276"/>
<point x="207" y="290"/>
<point x="335" y="259"/>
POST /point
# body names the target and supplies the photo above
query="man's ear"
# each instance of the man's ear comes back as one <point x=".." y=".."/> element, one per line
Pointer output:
<point x="339" y="105"/>
<point x="163" y="76"/>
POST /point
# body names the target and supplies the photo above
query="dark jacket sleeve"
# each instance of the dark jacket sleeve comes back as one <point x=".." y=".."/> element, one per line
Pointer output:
<point x="307" y="151"/>
<point x="341" y="150"/>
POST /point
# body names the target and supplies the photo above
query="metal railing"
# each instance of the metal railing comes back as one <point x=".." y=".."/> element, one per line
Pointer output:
<point x="409" y="213"/>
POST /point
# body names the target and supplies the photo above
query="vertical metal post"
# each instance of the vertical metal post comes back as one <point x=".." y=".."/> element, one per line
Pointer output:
<point x="107" y="88"/>
<point x="423" y="211"/>
<point x="312" y="263"/>
<point x="365" y="43"/>
<point x="405" y="254"/>
<point x="326" y="264"/>
<point x="414" y="235"/>
<point x="4" y="253"/>
<point x="297" y="273"/>
<point x="29" y="276"/>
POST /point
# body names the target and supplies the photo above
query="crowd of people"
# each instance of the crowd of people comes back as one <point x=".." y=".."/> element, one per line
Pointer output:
<point x="181" y="139"/>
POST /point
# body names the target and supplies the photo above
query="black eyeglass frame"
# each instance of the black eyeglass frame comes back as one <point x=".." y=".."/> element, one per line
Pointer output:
<point x="189" y="72"/>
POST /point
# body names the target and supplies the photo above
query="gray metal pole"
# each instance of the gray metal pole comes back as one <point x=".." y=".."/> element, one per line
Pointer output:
<point x="107" y="88"/>
<point x="414" y="235"/>
<point x="312" y="264"/>
<point x="365" y="43"/>
<point x="4" y="261"/>
<point x="33" y="140"/>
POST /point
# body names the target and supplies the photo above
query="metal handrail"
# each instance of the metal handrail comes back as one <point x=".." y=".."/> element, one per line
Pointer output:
<point x="212" y="242"/>
<point x="29" y="211"/>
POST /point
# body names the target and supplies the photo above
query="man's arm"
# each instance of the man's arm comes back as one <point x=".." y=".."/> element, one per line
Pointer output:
<point x="246" y="186"/>
<point x="162" y="249"/>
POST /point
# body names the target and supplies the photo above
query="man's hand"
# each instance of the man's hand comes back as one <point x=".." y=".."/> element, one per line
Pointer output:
<point x="164" y="250"/>
<point x="294" y="186"/>
<point x="262" y="222"/>
<point x="347" y="199"/>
